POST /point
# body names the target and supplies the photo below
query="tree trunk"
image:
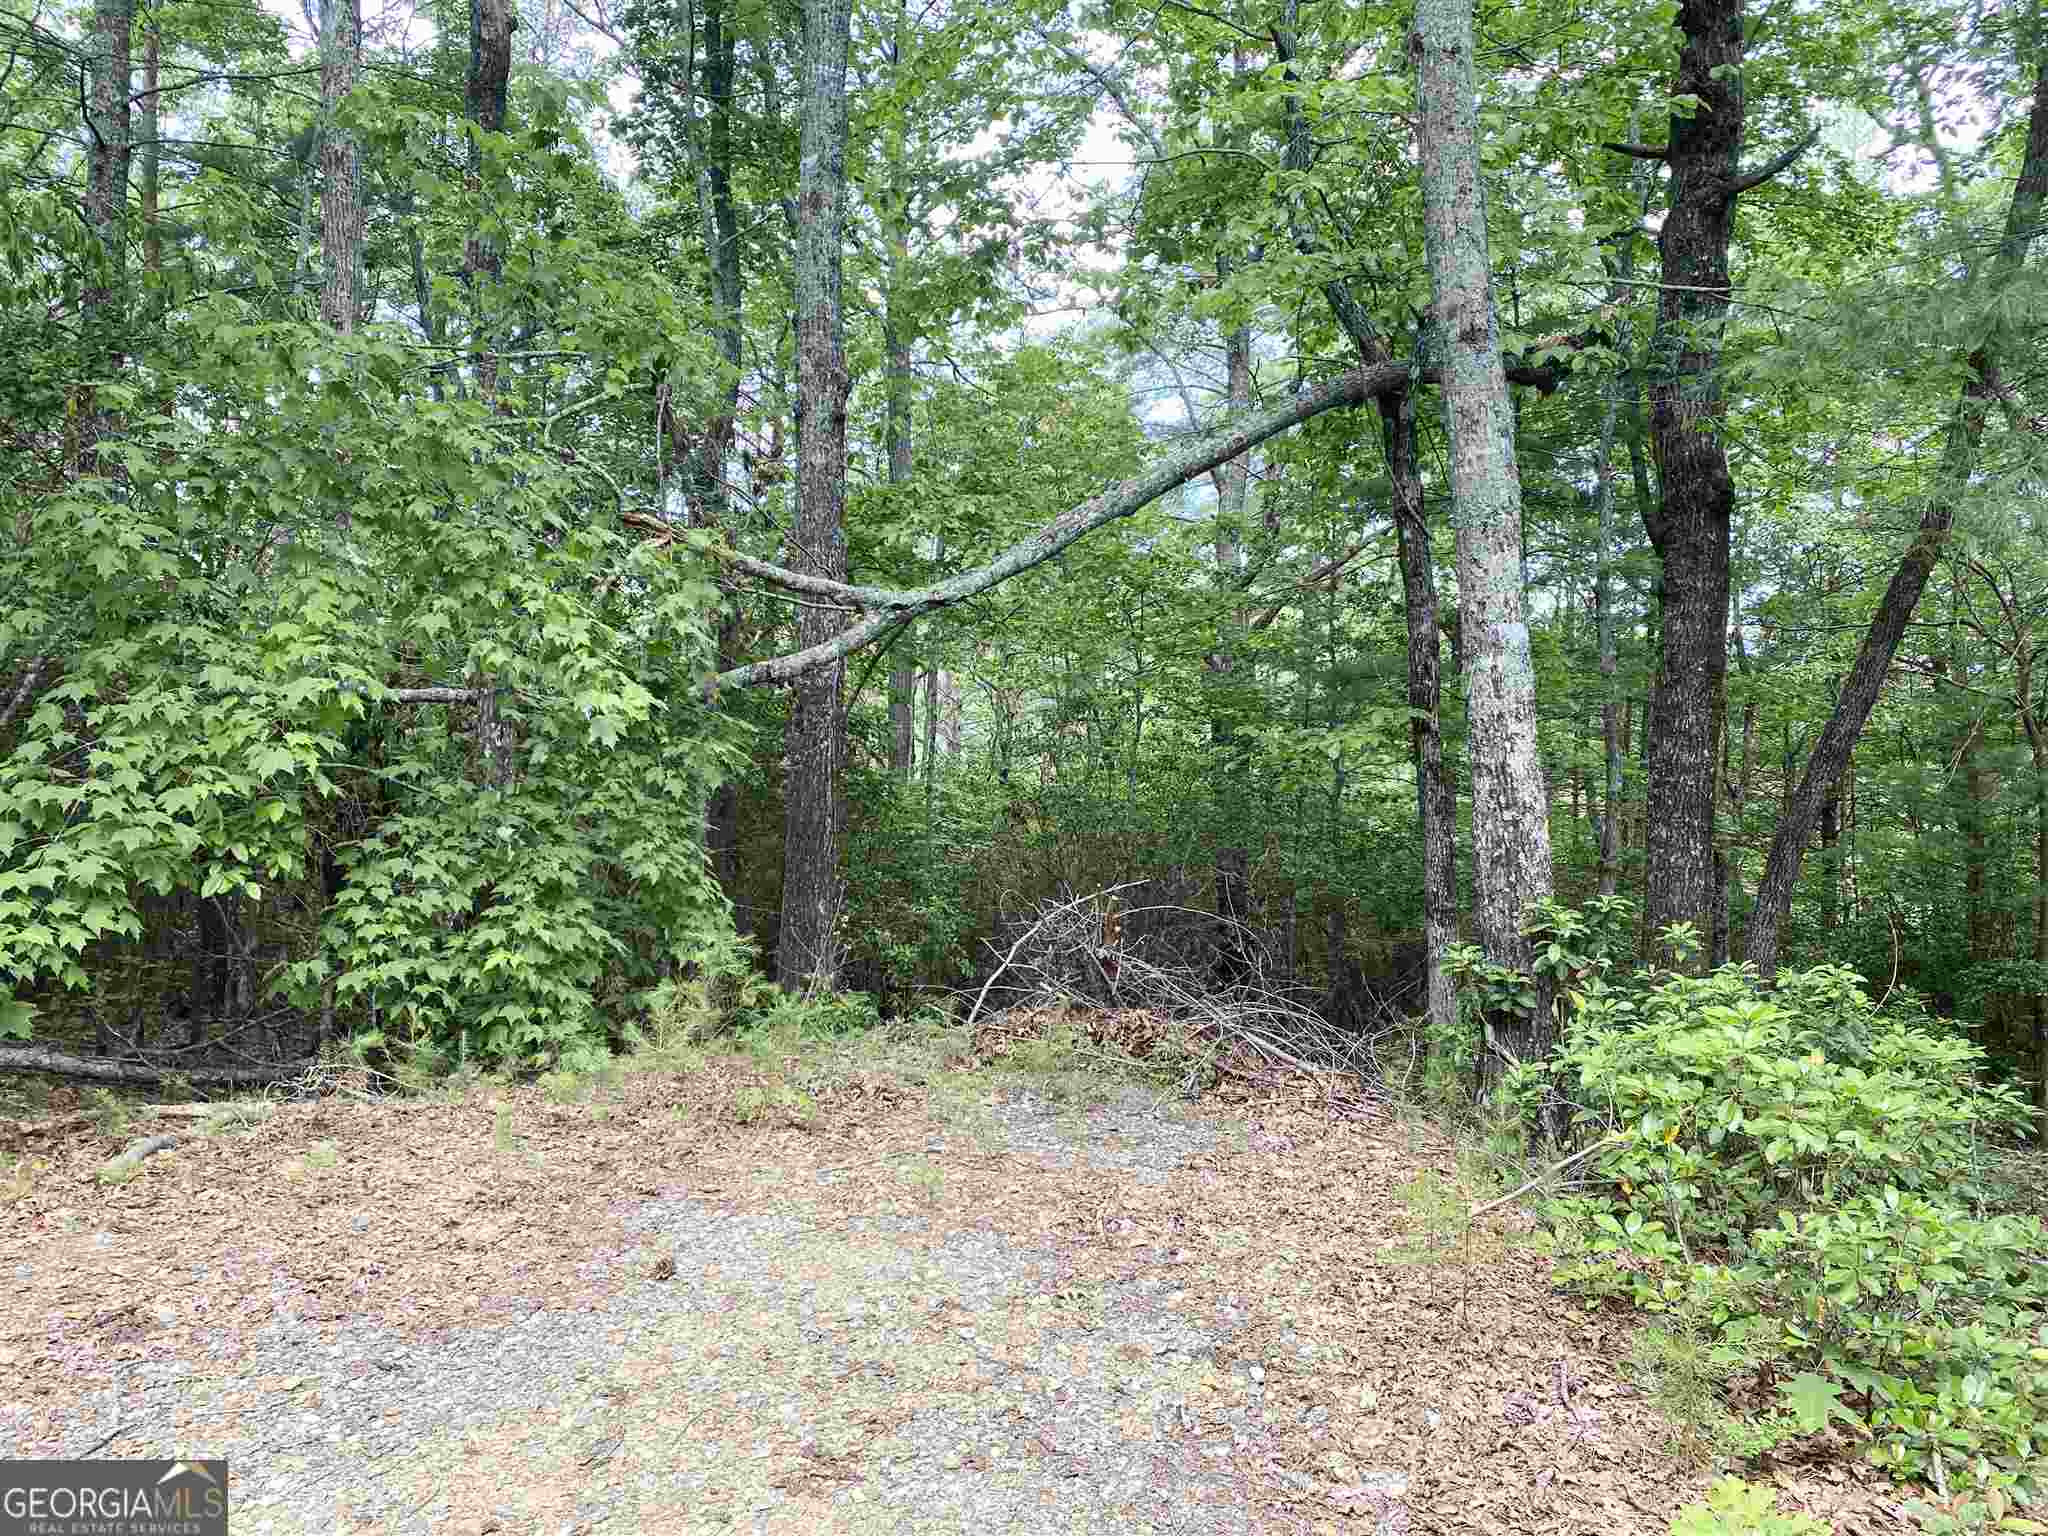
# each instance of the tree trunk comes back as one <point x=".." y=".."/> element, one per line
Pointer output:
<point x="808" y="952"/>
<point x="1436" y="800"/>
<point x="490" y="71"/>
<point x="152" y="160"/>
<point x="2040" y="1008"/>
<point x="32" y="1058"/>
<point x="1980" y="786"/>
<point x="1233" y="495"/>
<point x="1738" y="809"/>
<point x="902" y="719"/>
<point x="1690" y="525"/>
<point x="1510" y="820"/>
<point x="109" y="124"/>
<point x="1830" y="755"/>
<point x="896" y="347"/>
<point x="1621" y="266"/>
<point x="341" y="214"/>
<point x="705" y="462"/>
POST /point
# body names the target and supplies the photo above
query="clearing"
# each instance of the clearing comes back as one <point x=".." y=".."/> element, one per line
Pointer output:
<point x="881" y="1297"/>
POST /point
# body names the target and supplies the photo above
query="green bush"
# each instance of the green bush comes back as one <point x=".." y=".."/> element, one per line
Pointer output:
<point x="1735" y="1508"/>
<point x="1803" y="1172"/>
<point x="1732" y="1104"/>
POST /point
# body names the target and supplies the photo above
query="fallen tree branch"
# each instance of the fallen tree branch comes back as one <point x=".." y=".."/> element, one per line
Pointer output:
<point x="887" y="607"/>
<point x="35" y="1058"/>
<point x="132" y="1155"/>
<point x="1058" y="910"/>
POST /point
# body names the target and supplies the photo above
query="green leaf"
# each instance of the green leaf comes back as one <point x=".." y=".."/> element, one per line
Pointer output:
<point x="1813" y="1401"/>
<point x="17" y="1019"/>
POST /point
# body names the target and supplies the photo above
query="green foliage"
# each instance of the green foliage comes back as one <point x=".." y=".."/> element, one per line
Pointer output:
<point x="1683" y="1360"/>
<point x="1568" y="947"/>
<point x="1735" y="1508"/>
<point x="1736" y="1103"/>
<point x="1793" y="1169"/>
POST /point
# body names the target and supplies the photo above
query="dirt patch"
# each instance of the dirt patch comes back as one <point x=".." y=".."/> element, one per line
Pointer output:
<point x="519" y="1315"/>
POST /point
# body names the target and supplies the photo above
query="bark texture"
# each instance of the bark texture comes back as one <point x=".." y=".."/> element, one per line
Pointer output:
<point x="1436" y="801"/>
<point x="1620" y="393"/>
<point x="896" y="429"/>
<point x="1436" y="798"/>
<point x="808" y="949"/>
<point x="341" y="213"/>
<point x="1233" y="498"/>
<point x="490" y="73"/>
<point x="109" y="125"/>
<point x="1510" y="816"/>
<point x="1689" y="525"/>
<point x="149" y="142"/>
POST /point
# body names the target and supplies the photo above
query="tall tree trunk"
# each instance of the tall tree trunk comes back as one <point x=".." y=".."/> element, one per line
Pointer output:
<point x="902" y="719"/>
<point x="341" y="214"/>
<point x="2040" y="1001"/>
<point x="103" y="301"/>
<point x="704" y="458"/>
<point x="1233" y="497"/>
<point x="1744" y="783"/>
<point x="1620" y="389"/>
<point x="2037" y="739"/>
<point x="490" y="72"/>
<point x="1436" y="801"/>
<point x="1980" y="785"/>
<point x="1690" y="525"/>
<point x="152" y="159"/>
<point x="896" y="432"/>
<point x="1510" y="819"/>
<point x="808" y="952"/>
<point x="1830" y="755"/>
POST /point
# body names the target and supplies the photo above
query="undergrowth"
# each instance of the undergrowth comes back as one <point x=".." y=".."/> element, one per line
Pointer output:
<point x="1813" y="1199"/>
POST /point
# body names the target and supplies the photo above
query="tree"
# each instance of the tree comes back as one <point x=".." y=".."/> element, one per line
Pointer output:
<point x="806" y="955"/>
<point x="1689" y="523"/>
<point x="1984" y="386"/>
<point x="109" y="119"/>
<point x="1510" y="810"/>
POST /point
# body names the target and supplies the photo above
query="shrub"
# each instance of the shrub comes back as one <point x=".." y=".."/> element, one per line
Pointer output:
<point x="1799" y="1170"/>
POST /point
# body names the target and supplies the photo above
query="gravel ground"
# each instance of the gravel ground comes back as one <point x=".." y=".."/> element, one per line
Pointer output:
<point x="822" y="1365"/>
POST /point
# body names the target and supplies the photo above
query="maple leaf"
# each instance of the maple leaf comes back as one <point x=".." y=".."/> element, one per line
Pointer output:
<point x="1813" y="1401"/>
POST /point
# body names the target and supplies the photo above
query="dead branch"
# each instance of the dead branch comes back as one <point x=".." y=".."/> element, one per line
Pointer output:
<point x="1151" y="978"/>
<point x="35" y="1058"/>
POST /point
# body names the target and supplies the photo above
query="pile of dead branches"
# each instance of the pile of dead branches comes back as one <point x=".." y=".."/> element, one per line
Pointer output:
<point x="1071" y="960"/>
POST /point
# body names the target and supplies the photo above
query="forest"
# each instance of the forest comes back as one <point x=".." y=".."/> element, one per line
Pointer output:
<point x="506" y="515"/>
<point x="1520" y="525"/>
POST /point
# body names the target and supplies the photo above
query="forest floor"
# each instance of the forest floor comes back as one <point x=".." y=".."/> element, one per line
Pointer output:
<point x="865" y="1297"/>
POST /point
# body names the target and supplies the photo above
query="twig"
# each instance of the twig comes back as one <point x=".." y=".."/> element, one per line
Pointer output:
<point x="116" y="1433"/>
<point x="1559" y="1166"/>
<point x="1024" y="937"/>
